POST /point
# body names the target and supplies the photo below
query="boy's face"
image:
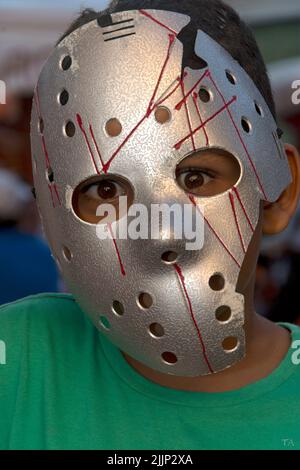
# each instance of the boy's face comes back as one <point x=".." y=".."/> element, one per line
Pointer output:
<point x="121" y="119"/>
<point x="205" y="173"/>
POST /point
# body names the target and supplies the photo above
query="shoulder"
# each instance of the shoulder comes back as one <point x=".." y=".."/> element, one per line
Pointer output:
<point x="41" y="316"/>
<point x="40" y="305"/>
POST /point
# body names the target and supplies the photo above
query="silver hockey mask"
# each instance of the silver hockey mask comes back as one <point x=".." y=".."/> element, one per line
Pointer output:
<point x="126" y="69"/>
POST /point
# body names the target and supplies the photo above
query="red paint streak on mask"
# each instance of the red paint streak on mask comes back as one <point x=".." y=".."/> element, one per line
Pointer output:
<point x="240" y="137"/>
<point x="51" y="192"/>
<point x="211" y="118"/>
<point x="117" y="250"/>
<point x="108" y="163"/>
<point x="96" y="145"/>
<point x="243" y="208"/>
<point x="193" y="201"/>
<point x="179" y="80"/>
<point x="145" y="13"/>
<point x="188" y="116"/>
<point x="231" y="198"/>
<point x="195" y="98"/>
<point x="150" y="106"/>
<point x="80" y="123"/>
<point x="48" y="165"/>
<point x="183" y="284"/>
<point x="57" y="194"/>
<point x="37" y="104"/>
<point x="45" y="151"/>
<point x="178" y="105"/>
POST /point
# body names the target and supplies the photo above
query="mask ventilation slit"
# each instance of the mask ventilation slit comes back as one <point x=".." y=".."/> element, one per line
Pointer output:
<point x="106" y="21"/>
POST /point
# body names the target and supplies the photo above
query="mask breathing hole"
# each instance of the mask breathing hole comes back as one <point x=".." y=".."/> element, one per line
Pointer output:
<point x="230" y="343"/>
<point x="50" y="175"/>
<point x="145" y="300"/>
<point x="41" y="126"/>
<point x="230" y="77"/>
<point x="104" y="322"/>
<point x="66" y="62"/>
<point x="205" y="95"/>
<point x="64" y="97"/>
<point x="67" y="253"/>
<point x="246" y="125"/>
<point x="216" y="282"/>
<point x="223" y="313"/>
<point x="70" y="129"/>
<point x="118" y="308"/>
<point x="169" y="257"/>
<point x="162" y="115"/>
<point x="113" y="127"/>
<point x="169" y="358"/>
<point x="156" y="330"/>
<point x="258" y="109"/>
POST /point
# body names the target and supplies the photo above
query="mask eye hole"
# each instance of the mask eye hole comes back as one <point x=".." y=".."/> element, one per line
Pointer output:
<point x="90" y="196"/>
<point x="208" y="172"/>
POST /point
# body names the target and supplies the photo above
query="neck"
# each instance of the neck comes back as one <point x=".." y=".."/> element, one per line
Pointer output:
<point x="266" y="346"/>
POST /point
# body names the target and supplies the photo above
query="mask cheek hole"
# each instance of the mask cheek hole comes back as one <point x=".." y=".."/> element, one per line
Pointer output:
<point x="104" y="322"/>
<point x="68" y="255"/>
<point x="223" y="313"/>
<point x="145" y="300"/>
<point x="230" y="344"/>
<point x="169" y="358"/>
<point x="156" y="330"/>
<point x="63" y="97"/>
<point x="216" y="282"/>
<point x="118" y="308"/>
<point x="230" y="77"/>
<point x="246" y="125"/>
<point x="70" y="129"/>
<point x="50" y="175"/>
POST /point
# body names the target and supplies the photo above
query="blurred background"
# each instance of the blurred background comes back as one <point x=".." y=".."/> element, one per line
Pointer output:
<point x="28" y="31"/>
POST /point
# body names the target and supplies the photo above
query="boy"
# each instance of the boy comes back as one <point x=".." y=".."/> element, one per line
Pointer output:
<point x="156" y="102"/>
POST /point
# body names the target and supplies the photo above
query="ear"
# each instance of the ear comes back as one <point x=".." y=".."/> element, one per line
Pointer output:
<point x="276" y="215"/>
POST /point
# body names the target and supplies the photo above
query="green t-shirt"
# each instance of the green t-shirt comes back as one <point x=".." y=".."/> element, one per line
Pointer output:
<point x="65" y="386"/>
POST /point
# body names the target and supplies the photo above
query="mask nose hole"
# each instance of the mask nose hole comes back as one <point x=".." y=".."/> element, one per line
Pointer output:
<point x="169" y="257"/>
